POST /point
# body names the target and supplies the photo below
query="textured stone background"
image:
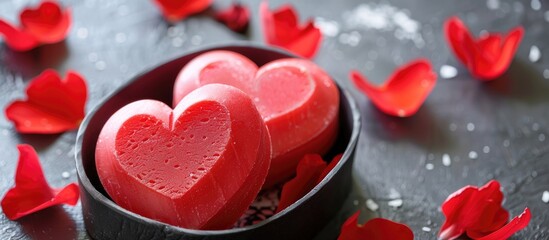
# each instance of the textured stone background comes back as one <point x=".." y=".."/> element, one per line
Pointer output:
<point x="488" y="131"/>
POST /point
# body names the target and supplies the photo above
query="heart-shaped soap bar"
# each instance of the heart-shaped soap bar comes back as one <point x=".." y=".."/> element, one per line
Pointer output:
<point x="197" y="166"/>
<point x="297" y="99"/>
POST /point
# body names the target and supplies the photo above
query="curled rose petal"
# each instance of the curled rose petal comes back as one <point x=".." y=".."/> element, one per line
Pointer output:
<point x="518" y="223"/>
<point x="46" y="24"/>
<point x="281" y="28"/>
<point x="375" y="229"/>
<point x="309" y="169"/>
<point x="329" y="168"/>
<point x="404" y="92"/>
<point x="236" y="17"/>
<point x="31" y="192"/>
<point x="487" y="57"/>
<point x="474" y="211"/>
<point x="53" y="105"/>
<point x="178" y="10"/>
<point x="17" y="39"/>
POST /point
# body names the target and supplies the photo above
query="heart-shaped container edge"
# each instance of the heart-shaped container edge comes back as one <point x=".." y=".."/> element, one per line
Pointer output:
<point x="104" y="219"/>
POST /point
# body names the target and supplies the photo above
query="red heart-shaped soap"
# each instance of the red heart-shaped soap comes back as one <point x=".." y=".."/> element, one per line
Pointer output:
<point x="48" y="23"/>
<point x="197" y="166"/>
<point x="297" y="99"/>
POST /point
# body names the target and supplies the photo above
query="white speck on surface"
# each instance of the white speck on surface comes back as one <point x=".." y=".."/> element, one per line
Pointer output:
<point x="473" y="155"/>
<point x="395" y="203"/>
<point x="546" y="73"/>
<point x="5" y="132"/>
<point x="492" y="4"/>
<point x="545" y="197"/>
<point x="352" y="39"/>
<point x="541" y="137"/>
<point x="447" y="71"/>
<point x="177" y="42"/>
<point x="82" y="33"/>
<point x="470" y="127"/>
<point x="372" y="205"/>
<point x="65" y="175"/>
<point x="535" y="54"/>
<point x="93" y="57"/>
<point x="486" y="149"/>
<point x="355" y="202"/>
<point x="453" y="127"/>
<point x="446" y="160"/>
<point x="426" y="229"/>
<point x="196" y="40"/>
<point x="506" y="143"/>
<point x="535" y="127"/>
<point x="100" y="65"/>
<point x="120" y="37"/>
<point x="329" y="28"/>
<point x="429" y="166"/>
<point x="385" y="17"/>
<point x="401" y="113"/>
<point x="535" y="4"/>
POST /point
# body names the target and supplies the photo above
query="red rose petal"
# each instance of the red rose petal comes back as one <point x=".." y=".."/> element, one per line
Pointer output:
<point x="236" y="17"/>
<point x="487" y="57"/>
<point x="31" y="192"/>
<point x="48" y="23"/>
<point x="404" y="92"/>
<point x="518" y="223"/>
<point x="475" y="211"/>
<point x="175" y="10"/>
<point x="375" y="229"/>
<point x="281" y="28"/>
<point x="308" y="172"/>
<point x="329" y="168"/>
<point x="16" y="39"/>
<point x="53" y="105"/>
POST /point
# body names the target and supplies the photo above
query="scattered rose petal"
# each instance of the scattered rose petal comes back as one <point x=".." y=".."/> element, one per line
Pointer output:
<point x="375" y="229"/>
<point x="518" y="223"/>
<point x="53" y="105"/>
<point x="487" y="57"/>
<point x="329" y="168"/>
<point x="175" y="10"/>
<point x="478" y="213"/>
<point x="404" y="92"/>
<point x="46" y="24"/>
<point x="309" y="169"/>
<point x="236" y="17"/>
<point x="31" y="192"/>
<point x="281" y="28"/>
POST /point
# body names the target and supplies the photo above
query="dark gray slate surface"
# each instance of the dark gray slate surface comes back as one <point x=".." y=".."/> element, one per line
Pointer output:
<point x="505" y="123"/>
